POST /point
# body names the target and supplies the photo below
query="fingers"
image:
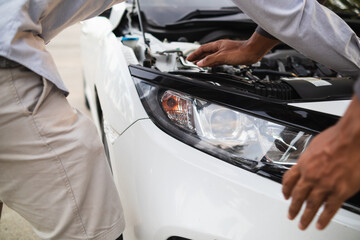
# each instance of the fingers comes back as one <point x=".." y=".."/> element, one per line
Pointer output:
<point x="315" y="196"/>
<point x="299" y="195"/>
<point x="211" y="60"/>
<point x="203" y="51"/>
<point x="290" y="179"/>
<point x="200" y="58"/>
<point x="331" y="207"/>
<point x="313" y="203"/>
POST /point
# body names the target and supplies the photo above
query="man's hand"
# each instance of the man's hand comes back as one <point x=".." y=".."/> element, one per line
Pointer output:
<point x="328" y="172"/>
<point x="233" y="52"/>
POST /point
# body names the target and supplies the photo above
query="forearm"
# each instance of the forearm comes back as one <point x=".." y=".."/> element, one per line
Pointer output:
<point x="325" y="38"/>
<point x="260" y="45"/>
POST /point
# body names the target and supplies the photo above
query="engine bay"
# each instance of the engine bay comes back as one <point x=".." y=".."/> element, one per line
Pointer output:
<point x="282" y="74"/>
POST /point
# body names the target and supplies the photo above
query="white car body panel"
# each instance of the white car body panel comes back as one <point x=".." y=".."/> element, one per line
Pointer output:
<point x="110" y="74"/>
<point x="337" y="108"/>
<point x="117" y="12"/>
<point x="169" y="188"/>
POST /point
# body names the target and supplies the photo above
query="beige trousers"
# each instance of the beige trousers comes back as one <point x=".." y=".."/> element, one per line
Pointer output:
<point x="53" y="170"/>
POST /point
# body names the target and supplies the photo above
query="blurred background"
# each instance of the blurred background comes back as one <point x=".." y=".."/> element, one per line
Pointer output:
<point x="65" y="49"/>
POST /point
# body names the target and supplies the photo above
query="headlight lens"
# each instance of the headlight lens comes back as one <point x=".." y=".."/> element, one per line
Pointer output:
<point x="239" y="134"/>
<point x="178" y="109"/>
<point x="241" y="139"/>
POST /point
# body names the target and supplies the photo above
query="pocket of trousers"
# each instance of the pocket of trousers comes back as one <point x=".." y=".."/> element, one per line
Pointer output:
<point x="47" y="86"/>
<point x="31" y="89"/>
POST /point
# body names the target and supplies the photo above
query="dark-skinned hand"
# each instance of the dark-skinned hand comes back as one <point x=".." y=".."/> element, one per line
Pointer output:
<point x="232" y="52"/>
<point x="328" y="172"/>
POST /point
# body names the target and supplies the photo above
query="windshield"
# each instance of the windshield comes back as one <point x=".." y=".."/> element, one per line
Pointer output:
<point x="164" y="12"/>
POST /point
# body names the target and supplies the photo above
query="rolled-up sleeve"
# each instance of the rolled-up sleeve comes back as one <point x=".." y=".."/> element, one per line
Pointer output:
<point x="312" y="29"/>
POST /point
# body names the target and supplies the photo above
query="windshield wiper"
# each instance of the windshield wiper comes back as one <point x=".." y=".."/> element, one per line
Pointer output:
<point x="210" y="13"/>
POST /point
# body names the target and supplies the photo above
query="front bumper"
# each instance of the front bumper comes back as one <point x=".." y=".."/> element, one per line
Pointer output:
<point x="171" y="189"/>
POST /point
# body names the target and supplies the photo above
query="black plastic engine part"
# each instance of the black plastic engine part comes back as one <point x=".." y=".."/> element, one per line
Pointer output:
<point x="295" y="63"/>
<point x="325" y="88"/>
<point x="277" y="85"/>
<point x="271" y="89"/>
<point x="323" y="71"/>
<point x="297" y="67"/>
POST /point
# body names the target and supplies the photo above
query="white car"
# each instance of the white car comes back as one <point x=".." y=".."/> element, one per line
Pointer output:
<point x="199" y="153"/>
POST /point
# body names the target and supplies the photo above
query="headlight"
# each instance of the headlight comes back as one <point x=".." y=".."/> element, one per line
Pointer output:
<point x="238" y="138"/>
<point x="264" y="136"/>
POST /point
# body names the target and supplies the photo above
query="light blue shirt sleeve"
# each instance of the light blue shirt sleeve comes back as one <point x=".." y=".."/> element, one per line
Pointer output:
<point x="69" y="12"/>
<point x="27" y="25"/>
<point x="310" y="28"/>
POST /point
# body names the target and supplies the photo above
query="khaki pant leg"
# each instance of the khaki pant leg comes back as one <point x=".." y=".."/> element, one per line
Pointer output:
<point x="53" y="170"/>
